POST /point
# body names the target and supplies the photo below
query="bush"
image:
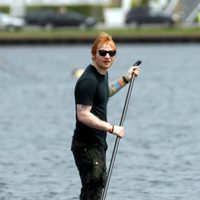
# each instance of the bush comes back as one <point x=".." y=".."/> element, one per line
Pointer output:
<point x="4" y="9"/>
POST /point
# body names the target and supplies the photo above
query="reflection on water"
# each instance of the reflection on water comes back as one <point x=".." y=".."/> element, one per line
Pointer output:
<point x="158" y="158"/>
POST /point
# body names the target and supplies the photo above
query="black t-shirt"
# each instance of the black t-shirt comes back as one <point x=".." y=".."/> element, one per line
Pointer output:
<point x="92" y="89"/>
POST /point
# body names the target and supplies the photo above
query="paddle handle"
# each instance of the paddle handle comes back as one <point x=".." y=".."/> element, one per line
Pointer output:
<point x="128" y="95"/>
<point x="137" y="63"/>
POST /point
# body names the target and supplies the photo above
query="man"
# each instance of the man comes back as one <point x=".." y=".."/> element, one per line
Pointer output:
<point x="92" y="92"/>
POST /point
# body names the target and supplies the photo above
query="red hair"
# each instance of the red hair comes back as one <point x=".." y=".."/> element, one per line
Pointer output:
<point x="103" y="38"/>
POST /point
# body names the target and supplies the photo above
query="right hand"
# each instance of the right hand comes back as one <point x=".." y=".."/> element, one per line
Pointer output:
<point x="119" y="131"/>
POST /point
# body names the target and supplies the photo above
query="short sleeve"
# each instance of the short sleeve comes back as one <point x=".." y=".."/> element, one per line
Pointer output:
<point x="85" y="92"/>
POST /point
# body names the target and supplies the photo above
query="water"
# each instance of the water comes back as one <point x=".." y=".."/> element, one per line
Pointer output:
<point x="159" y="157"/>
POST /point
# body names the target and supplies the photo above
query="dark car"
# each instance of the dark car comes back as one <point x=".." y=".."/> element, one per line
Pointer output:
<point x="143" y="15"/>
<point x="58" y="19"/>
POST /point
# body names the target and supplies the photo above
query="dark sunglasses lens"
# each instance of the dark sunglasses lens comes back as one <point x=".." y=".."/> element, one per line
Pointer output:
<point x="104" y="52"/>
<point x="112" y="53"/>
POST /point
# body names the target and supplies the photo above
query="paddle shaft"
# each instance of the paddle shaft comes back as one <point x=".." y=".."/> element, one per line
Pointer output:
<point x="114" y="153"/>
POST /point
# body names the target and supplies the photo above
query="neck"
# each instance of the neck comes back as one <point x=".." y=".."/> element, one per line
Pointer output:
<point x="100" y="70"/>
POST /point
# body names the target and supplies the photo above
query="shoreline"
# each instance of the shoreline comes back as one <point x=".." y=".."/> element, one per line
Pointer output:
<point x="86" y="40"/>
<point x="120" y="35"/>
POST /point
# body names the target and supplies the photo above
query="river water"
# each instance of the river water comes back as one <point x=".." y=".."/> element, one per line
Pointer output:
<point x="158" y="159"/>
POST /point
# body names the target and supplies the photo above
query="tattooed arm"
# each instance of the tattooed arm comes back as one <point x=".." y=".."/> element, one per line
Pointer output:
<point x="86" y="117"/>
<point x="115" y="86"/>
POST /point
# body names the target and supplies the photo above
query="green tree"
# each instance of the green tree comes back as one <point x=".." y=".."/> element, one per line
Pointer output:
<point x="145" y="2"/>
<point x="136" y="3"/>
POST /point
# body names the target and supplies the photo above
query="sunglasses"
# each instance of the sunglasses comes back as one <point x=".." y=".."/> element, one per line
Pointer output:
<point x="104" y="53"/>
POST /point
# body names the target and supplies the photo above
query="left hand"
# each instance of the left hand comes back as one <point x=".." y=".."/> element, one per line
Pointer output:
<point x="133" y="70"/>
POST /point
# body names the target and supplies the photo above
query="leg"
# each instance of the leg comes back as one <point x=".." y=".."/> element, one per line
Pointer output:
<point x="83" y="195"/>
<point x="91" y="163"/>
<point x="94" y="192"/>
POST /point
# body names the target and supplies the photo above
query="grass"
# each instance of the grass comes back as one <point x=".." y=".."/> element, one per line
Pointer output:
<point x="115" y="32"/>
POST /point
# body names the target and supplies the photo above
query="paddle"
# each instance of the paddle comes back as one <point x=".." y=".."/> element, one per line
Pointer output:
<point x="114" y="153"/>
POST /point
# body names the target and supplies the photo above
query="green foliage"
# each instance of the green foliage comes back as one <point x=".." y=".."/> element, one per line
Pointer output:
<point x="137" y="3"/>
<point x="145" y="2"/>
<point x="115" y="3"/>
<point x="4" y="9"/>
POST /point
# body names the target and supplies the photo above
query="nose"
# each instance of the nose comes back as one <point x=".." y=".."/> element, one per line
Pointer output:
<point x="107" y="55"/>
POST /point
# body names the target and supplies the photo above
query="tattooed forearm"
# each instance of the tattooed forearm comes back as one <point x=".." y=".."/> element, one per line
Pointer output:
<point x="114" y="87"/>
